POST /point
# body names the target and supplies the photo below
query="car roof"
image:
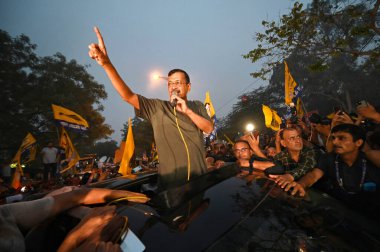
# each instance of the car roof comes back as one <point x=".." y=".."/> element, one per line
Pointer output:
<point x="225" y="210"/>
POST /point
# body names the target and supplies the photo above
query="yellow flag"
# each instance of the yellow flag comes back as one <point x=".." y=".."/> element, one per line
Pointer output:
<point x="290" y="85"/>
<point x="26" y="152"/>
<point x="16" y="180"/>
<point x="228" y="139"/>
<point x="68" y="118"/>
<point x="119" y="153"/>
<point x="129" y="149"/>
<point x="272" y="119"/>
<point x="299" y="108"/>
<point x="209" y="107"/>
<point x="72" y="156"/>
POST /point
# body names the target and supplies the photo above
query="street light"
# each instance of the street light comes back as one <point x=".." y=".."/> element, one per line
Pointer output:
<point x="157" y="77"/>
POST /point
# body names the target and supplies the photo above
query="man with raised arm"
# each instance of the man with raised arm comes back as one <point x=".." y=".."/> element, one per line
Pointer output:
<point x="177" y="124"/>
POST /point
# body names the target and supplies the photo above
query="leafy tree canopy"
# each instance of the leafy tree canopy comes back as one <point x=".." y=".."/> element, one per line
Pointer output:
<point x="30" y="84"/>
<point x="326" y="29"/>
<point x="142" y="134"/>
<point x="332" y="49"/>
<point x="106" y="148"/>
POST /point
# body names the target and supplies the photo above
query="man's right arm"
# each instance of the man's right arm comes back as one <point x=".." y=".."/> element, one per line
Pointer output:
<point x="98" y="52"/>
<point x="305" y="182"/>
<point x="121" y="87"/>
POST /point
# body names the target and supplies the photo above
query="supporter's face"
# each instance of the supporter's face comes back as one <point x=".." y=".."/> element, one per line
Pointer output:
<point x="271" y="152"/>
<point x="321" y="128"/>
<point x="177" y="82"/>
<point x="242" y="151"/>
<point x="220" y="149"/>
<point x="292" y="140"/>
<point x="344" y="143"/>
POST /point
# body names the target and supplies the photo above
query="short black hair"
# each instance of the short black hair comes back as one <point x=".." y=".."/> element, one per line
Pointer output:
<point x="173" y="71"/>
<point x="292" y="128"/>
<point x="242" y="141"/>
<point x="355" y="131"/>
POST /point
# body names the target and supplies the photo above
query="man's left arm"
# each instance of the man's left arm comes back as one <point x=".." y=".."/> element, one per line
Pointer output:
<point x="307" y="162"/>
<point x="201" y="122"/>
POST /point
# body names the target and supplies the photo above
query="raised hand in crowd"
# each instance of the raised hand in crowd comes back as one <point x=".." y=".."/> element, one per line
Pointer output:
<point x="254" y="143"/>
<point x="368" y="112"/>
<point x="341" y="117"/>
<point x="98" y="51"/>
<point x="278" y="141"/>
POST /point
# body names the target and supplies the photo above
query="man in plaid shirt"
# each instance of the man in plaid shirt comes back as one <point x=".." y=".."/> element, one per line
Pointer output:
<point x="296" y="159"/>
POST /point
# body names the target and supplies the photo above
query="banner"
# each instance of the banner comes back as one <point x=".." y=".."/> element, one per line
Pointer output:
<point x="129" y="149"/>
<point x="25" y="153"/>
<point x="228" y="139"/>
<point x="68" y="118"/>
<point x="272" y="119"/>
<point x="71" y="155"/>
<point x="290" y="85"/>
<point x="299" y="108"/>
<point x="209" y="107"/>
<point x="211" y="112"/>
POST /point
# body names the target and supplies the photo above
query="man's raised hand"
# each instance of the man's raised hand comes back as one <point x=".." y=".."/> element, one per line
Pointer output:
<point x="98" y="51"/>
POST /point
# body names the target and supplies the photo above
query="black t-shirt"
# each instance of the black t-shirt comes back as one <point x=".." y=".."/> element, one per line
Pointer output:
<point x="172" y="152"/>
<point x="362" y="198"/>
<point x="350" y="177"/>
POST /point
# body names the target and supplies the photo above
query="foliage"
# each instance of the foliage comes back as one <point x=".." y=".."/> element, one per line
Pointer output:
<point x="142" y="134"/>
<point x="106" y="148"/>
<point x="30" y="84"/>
<point x="326" y="29"/>
<point x="332" y="49"/>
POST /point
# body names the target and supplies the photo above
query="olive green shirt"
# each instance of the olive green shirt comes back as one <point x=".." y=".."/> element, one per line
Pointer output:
<point x="172" y="155"/>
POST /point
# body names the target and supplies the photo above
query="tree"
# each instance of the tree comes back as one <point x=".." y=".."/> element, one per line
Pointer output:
<point x="326" y="54"/>
<point x="30" y="84"/>
<point x="107" y="148"/>
<point x="142" y="134"/>
<point x="325" y="30"/>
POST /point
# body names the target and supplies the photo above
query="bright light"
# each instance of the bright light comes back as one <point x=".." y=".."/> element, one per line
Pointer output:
<point x="156" y="76"/>
<point x="249" y="127"/>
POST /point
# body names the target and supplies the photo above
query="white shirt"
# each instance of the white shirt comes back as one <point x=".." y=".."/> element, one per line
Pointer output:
<point x="49" y="155"/>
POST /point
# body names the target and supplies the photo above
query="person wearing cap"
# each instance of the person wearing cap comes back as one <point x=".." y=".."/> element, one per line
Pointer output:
<point x="178" y="124"/>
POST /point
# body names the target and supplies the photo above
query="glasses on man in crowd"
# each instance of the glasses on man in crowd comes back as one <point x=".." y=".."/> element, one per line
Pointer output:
<point x="241" y="150"/>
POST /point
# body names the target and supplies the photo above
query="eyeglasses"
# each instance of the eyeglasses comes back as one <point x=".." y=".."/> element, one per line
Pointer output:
<point x="294" y="138"/>
<point x="175" y="83"/>
<point x="242" y="150"/>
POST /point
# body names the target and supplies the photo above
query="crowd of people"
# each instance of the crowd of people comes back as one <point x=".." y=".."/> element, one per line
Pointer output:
<point x="339" y="155"/>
